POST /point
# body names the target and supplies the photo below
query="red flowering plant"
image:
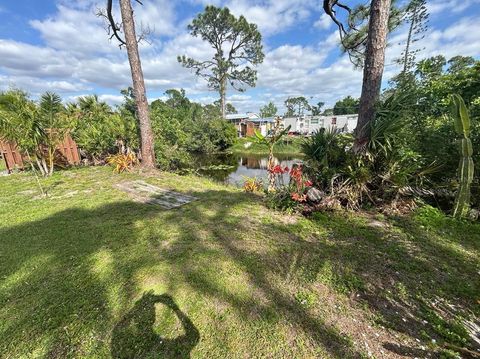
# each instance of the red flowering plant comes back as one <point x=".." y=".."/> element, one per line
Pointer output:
<point x="289" y="197"/>
<point x="298" y="184"/>
<point x="278" y="172"/>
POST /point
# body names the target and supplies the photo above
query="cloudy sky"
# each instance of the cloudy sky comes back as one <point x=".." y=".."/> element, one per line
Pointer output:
<point x="61" y="46"/>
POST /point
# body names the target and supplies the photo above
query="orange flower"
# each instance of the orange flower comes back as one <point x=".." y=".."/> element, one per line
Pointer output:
<point x="299" y="197"/>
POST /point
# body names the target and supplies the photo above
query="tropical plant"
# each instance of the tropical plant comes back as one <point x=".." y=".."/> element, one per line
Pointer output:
<point x="36" y="129"/>
<point x="99" y="131"/>
<point x="270" y="141"/>
<point x="252" y="184"/>
<point x="325" y="154"/>
<point x="466" y="167"/>
<point x="55" y="124"/>
<point x="19" y="124"/>
<point x="122" y="162"/>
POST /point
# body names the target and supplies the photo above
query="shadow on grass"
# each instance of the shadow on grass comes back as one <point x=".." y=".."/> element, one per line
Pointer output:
<point x="417" y="277"/>
<point x="68" y="279"/>
<point x="134" y="335"/>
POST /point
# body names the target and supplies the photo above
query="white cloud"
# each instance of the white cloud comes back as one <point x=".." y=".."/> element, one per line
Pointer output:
<point x="76" y="56"/>
<point x="273" y="16"/>
<point x="323" y="23"/>
<point x="436" y="7"/>
<point x="111" y="99"/>
<point x="158" y="15"/>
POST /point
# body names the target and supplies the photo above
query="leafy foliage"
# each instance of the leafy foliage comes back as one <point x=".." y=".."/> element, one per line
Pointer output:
<point x="466" y="167"/>
<point x="100" y="131"/>
<point x="325" y="154"/>
<point x="36" y="128"/>
<point x="269" y="110"/>
<point x="381" y="174"/>
<point x="348" y="105"/>
<point x="182" y="128"/>
<point x="296" y="106"/>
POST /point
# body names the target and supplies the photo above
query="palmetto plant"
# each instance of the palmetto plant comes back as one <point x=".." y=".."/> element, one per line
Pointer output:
<point x="100" y="131"/>
<point x="461" y="117"/>
<point x="325" y="154"/>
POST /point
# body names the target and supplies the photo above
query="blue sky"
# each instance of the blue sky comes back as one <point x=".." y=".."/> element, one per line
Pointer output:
<point x="60" y="45"/>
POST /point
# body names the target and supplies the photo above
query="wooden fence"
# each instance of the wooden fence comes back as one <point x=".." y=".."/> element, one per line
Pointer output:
<point x="66" y="152"/>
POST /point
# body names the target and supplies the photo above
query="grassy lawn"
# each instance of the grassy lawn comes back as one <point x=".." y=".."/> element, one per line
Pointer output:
<point x="87" y="272"/>
<point x="248" y="145"/>
<point x="3" y="165"/>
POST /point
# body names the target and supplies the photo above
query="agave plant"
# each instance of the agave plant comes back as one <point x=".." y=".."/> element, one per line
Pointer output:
<point x="461" y="117"/>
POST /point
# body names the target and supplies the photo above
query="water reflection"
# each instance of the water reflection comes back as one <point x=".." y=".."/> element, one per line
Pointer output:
<point x="233" y="168"/>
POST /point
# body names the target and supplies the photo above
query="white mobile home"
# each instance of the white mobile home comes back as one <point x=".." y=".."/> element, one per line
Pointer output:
<point x="306" y="125"/>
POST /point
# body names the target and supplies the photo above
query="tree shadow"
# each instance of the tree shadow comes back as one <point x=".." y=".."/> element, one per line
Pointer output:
<point x="61" y="273"/>
<point x="58" y="274"/>
<point x="134" y="335"/>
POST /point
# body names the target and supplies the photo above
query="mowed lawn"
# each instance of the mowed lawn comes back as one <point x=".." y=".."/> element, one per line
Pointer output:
<point x="89" y="273"/>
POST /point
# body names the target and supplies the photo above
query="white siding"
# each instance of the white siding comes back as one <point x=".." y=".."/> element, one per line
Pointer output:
<point x="310" y="124"/>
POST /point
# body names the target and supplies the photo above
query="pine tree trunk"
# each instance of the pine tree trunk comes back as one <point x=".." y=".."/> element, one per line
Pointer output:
<point x="146" y="135"/>
<point x="373" y="70"/>
<point x="407" y="46"/>
<point x="223" y="90"/>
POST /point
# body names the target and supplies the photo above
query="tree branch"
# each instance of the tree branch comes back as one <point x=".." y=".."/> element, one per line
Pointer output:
<point x="114" y="29"/>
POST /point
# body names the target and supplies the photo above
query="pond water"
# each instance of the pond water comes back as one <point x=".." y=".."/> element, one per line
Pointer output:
<point x="233" y="168"/>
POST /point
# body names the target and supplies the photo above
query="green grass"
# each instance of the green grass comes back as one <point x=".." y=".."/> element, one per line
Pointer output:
<point x="3" y="165"/>
<point x="87" y="272"/>
<point x="287" y="146"/>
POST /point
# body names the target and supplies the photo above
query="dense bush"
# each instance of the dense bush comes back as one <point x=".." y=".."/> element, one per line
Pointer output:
<point x="36" y="127"/>
<point x="183" y="129"/>
<point x="100" y="131"/>
<point x="413" y="150"/>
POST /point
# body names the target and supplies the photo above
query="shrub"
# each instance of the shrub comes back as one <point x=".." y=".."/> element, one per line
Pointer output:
<point x="122" y="162"/>
<point x="100" y="131"/>
<point x="36" y="128"/>
<point x="326" y="154"/>
<point x="290" y="196"/>
<point x="252" y="184"/>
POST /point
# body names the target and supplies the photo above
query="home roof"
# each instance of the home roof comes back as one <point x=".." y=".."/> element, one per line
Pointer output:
<point x="264" y="119"/>
<point x="241" y="116"/>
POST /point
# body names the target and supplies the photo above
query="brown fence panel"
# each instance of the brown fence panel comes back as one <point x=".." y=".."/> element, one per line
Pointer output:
<point x="12" y="155"/>
<point x="14" y="159"/>
<point x="68" y="148"/>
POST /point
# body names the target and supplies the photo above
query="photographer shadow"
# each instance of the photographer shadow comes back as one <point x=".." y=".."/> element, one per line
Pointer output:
<point x="134" y="337"/>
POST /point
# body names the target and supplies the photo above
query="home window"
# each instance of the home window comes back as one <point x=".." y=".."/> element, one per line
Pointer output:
<point x="334" y="120"/>
<point x="314" y="121"/>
